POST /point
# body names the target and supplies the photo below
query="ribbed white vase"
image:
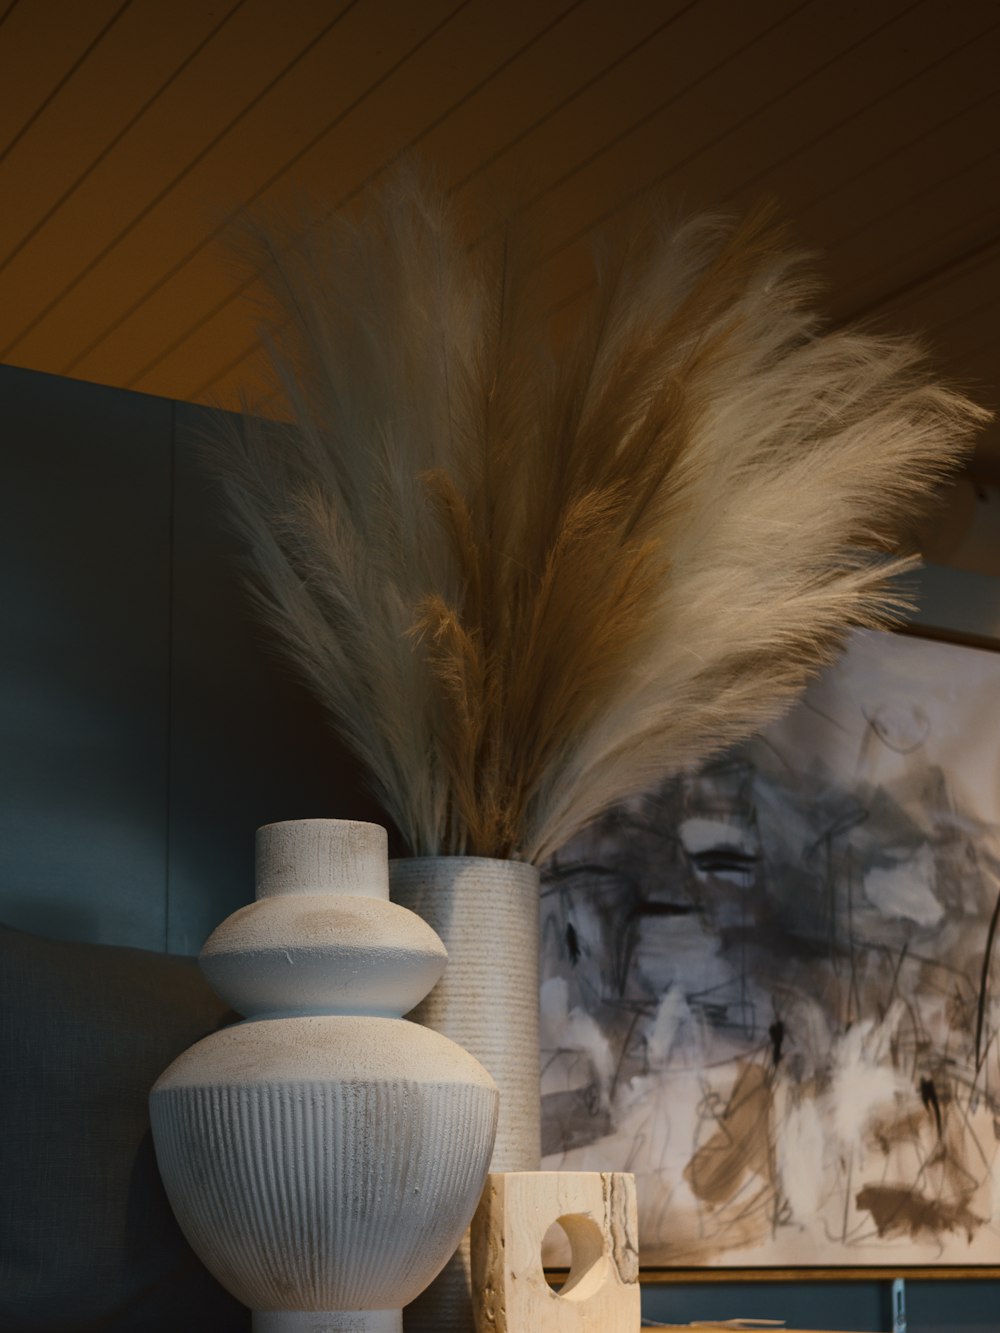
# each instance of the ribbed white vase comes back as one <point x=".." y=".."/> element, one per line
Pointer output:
<point x="486" y="912"/>
<point x="324" y="1157"/>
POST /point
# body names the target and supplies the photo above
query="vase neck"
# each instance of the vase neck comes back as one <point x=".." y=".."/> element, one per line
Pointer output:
<point x="337" y="856"/>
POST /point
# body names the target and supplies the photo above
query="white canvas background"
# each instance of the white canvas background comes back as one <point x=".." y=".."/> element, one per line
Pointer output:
<point x="761" y="985"/>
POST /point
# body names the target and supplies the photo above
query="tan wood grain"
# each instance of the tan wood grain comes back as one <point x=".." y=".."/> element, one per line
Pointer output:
<point x="116" y="81"/>
<point x="131" y="129"/>
<point x="563" y="142"/>
<point x="797" y="79"/>
<point x="142" y="172"/>
<point x="388" y="82"/>
<point x="40" y="44"/>
<point x="597" y="1210"/>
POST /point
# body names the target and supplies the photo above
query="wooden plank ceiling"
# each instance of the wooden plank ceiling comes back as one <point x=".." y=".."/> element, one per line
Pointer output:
<point x="132" y="130"/>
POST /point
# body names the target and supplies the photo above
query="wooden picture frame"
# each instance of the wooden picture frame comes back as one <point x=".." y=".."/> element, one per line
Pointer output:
<point x="768" y="987"/>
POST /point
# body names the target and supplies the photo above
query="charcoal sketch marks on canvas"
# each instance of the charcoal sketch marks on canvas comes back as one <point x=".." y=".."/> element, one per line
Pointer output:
<point x="770" y="989"/>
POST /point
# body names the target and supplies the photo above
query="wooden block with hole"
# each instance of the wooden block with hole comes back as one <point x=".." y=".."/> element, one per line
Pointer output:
<point x="597" y="1210"/>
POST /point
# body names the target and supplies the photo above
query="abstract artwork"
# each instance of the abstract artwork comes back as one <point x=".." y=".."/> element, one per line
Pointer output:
<point x="770" y="988"/>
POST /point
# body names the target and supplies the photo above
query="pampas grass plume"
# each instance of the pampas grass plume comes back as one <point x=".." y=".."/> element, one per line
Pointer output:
<point x="527" y="581"/>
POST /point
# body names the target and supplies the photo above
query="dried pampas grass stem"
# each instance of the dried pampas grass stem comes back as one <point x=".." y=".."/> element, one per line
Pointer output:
<point x="526" y="582"/>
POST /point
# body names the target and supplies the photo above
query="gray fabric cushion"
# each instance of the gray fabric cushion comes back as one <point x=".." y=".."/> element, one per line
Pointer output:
<point x="87" y="1238"/>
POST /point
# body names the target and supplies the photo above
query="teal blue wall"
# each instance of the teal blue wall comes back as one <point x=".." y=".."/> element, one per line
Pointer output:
<point x="146" y="733"/>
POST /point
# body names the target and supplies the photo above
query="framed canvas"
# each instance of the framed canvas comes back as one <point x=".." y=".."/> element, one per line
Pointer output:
<point x="770" y="987"/>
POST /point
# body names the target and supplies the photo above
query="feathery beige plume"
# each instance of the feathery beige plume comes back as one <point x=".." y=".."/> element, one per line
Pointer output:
<point x="526" y="581"/>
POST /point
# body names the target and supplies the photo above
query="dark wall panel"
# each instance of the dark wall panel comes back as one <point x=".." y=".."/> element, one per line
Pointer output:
<point x="84" y="570"/>
<point x="248" y="744"/>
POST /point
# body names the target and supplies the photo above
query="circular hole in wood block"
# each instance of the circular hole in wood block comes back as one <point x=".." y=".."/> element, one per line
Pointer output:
<point x="557" y="1255"/>
<point x="579" y="1242"/>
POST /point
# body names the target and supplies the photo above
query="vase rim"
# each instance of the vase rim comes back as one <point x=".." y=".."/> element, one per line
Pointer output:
<point x="322" y="819"/>
<point x="489" y="860"/>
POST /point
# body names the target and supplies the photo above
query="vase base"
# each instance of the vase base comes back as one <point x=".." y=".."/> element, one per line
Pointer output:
<point x="328" y="1321"/>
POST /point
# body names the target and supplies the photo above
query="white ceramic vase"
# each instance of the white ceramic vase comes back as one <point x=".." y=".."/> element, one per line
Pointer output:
<point x="486" y="912"/>
<point x="324" y="1157"/>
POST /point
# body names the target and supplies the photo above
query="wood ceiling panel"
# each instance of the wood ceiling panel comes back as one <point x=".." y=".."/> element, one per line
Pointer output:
<point x="933" y="227"/>
<point x="950" y="301"/>
<point x="140" y="315"/>
<point x="565" y="60"/>
<point x="610" y="131"/>
<point x="973" y="345"/>
<point x="554" y="71"/>
<point x="911" y="126"/>
<point x="135" y="59"/>
<point x="312" y="89"/>
<point x="39" y="49"/>
<point x="881" y="194"/>
<point x="619" y="96"/>
<point x="836" y="73"/>
<point x="244" y="380"/>
<point x="726" y="125"/>
<point x="434" y="83"/>
<point x="135" y="128"/>
<point x="202" y="102"/>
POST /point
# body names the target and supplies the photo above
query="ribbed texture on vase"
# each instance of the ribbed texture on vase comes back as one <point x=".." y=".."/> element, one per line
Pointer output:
<point x="486" y="912"/>
<point x="304" y="1196"/>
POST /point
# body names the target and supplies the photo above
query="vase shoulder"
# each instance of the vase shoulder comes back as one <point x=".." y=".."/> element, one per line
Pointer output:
<point x="323" y="953"/>
<point x="323" y="1048"/>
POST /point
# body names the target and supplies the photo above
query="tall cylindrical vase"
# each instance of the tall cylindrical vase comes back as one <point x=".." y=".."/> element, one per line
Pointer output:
<point x="486" y="911"/>
<point x="323" y="1157"/>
